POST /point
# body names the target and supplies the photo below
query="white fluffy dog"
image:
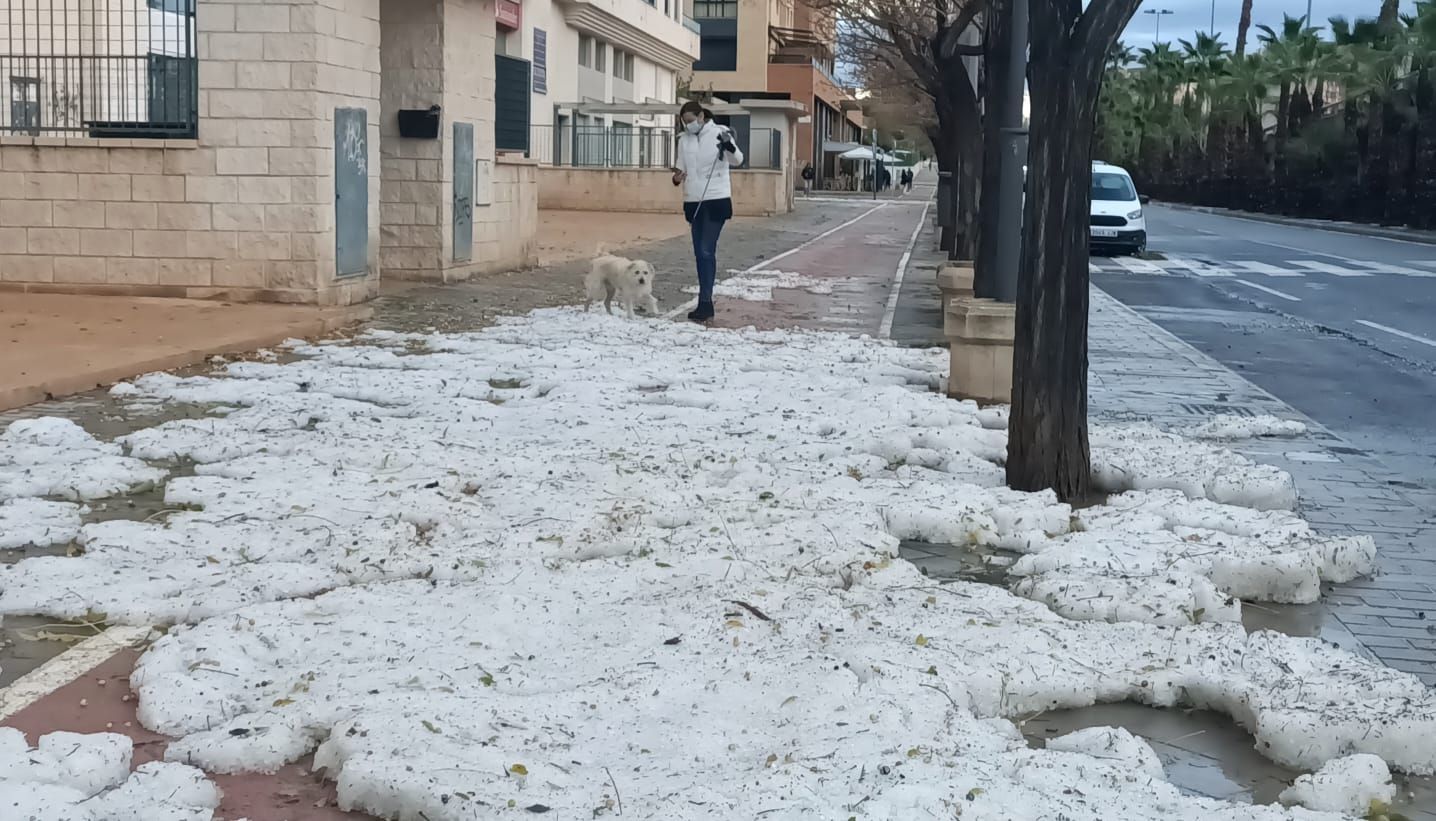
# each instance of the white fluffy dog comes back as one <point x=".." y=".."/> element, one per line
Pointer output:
<point x="631" y="280"/>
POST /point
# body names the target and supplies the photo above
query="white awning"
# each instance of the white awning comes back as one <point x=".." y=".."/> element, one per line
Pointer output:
<point x="865" y="153"/>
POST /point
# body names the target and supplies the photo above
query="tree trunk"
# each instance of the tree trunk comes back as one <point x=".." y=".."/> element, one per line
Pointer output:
<point x="1047" y="432"/>
<point x="1283" y="124"/>
<point x="1244" y="24"/>
<point x="945" y="149"/>
<point x="969" y="146"/>
<point x="960" y="118"/>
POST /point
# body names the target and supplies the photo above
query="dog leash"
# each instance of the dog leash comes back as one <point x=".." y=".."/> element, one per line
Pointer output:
<point x="702" y="198"/>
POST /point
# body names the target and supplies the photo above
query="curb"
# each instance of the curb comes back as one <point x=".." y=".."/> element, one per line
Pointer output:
<point x="1353" y="228"/>
<point x="20" y="396"/>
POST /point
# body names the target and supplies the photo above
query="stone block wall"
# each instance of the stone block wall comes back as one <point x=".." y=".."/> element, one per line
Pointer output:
<point x="441" y="52"/>
<point x="247" y="210"/>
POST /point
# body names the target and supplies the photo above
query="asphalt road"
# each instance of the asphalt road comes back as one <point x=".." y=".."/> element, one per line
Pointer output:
<point x="1341" y="327"/>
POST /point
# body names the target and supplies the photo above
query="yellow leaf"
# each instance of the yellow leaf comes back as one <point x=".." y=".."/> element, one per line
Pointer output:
<point x="519" y="769"/>
<point x="932" y="599"/>
<point x="921" y="641"/>
<point x="772" y="759"/>
<point x="734" y="623"/>
<point x="283" y="702"/>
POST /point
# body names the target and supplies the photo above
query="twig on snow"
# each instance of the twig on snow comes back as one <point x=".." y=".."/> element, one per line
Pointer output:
<point x="945" y="694"/>
<point x="751" y="609"/>
<point x="616" y="794"/>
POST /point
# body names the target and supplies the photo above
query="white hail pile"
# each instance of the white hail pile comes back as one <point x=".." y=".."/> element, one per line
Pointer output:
<point x="86" y="777"/>
<point x="571" y="558"/>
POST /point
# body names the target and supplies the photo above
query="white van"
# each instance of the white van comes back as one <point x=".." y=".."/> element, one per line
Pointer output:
<point x="1118" y="225"/>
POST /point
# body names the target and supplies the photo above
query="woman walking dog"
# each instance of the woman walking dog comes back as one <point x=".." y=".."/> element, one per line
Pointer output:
<point x="705" y="152"/>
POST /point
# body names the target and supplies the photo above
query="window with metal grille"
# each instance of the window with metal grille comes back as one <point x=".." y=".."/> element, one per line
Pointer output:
<point x="511" y="103"/>
<point x="540" y="63"/>
<point x="122" y="69"/>
<point x="24" y="105"/>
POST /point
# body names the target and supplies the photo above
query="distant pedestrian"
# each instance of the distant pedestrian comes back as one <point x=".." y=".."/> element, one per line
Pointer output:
<point x="808" y="175"/>
<point x="887" y="179"/>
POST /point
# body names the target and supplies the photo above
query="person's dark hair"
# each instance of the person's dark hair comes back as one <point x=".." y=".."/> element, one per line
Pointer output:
<point x="695" y="107"/>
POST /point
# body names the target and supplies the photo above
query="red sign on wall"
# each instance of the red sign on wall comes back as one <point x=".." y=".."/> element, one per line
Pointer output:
<point x="509" y="14"/>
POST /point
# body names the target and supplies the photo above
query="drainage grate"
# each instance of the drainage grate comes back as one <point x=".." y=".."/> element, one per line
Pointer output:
<point x="1207" y="409"/>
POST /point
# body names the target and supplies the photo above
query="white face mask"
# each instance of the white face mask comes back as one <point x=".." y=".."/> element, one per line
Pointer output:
<point x="693" y="127"/>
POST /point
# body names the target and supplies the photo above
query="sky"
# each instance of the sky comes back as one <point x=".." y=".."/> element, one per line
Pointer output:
<point x="1189" y="16"/>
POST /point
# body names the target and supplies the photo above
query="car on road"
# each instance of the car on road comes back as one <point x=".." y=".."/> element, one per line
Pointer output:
<point x="1117" y="222"/>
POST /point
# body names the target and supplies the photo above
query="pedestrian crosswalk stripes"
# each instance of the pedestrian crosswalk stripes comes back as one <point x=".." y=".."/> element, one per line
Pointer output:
<point x="1291" y="268"/>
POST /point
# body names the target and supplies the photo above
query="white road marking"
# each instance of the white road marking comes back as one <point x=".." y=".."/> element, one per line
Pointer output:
<point x="66" y="667"/>
<point x="1272" y="291"/>
<point x="1251" y="266"/>
<point x="1199" y="268"/>
<point x="1270" y="224"/>
<point x="1387" y="268"/>
<point x="1137" y="266"/>
<point x="1398" y="332"/>
<point x="885" y="330"/>
<point x="692" y="303"/>
<point x="1334" y="270"/>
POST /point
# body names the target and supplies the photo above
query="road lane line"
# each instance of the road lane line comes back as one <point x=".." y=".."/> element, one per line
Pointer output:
<point x="1400" y="270"/>
<point x="1272" y="291"/>
<point x="1398" y="332"/>
<point x="1136" y="266"/>
<point x="1334" y="270"/>
<point x="692" y="303"/>
<point x="68" y="666"/>
<point x="885" y="330"/>
<point x="1198" y="268"/>
<point x="1270" y="224"/>
<point x="1251" y="266"/>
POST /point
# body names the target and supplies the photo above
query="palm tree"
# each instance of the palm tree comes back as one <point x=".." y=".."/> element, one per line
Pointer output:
<point x="1244" y="24"/>
<point x="1290" y="56"/>
<point x="1246" y="86"/>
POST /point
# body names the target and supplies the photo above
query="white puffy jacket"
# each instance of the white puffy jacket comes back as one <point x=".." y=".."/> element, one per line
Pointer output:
<point x="697" y="157"/>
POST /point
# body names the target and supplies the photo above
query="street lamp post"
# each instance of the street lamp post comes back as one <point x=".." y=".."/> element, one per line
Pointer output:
<point x="1212" y="26"/>
<point x="1008" y="260"/>
<point x="1160" y="13"/>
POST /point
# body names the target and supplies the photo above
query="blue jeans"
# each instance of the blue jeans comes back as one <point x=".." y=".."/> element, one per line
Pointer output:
<point x="705" y="251"/>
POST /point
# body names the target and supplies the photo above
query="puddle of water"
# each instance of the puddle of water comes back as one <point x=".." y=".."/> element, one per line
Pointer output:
<point x="1204" y="753"/>
<point x="1292" y="619"/>
<point x="26" y="642"/>
<point x="969" y="563"/>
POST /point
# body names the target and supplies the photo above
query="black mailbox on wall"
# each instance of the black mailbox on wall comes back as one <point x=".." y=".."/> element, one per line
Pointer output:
<point x="419" y="123"/>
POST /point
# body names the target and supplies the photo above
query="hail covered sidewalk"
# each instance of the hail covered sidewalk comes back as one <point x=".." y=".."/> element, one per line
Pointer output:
<point x="567" y="563"/>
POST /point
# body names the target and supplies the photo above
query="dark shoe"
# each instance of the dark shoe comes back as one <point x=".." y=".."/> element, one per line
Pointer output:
<point x="702" y="313"/>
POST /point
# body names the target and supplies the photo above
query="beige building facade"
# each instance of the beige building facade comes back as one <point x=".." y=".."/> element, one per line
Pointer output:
<point x="257" y="154"/>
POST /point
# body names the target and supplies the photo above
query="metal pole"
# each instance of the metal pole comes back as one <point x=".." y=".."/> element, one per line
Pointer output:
<point x="1014" y="157"/>
<point x="1308" y="13"/>
<point x="1212" y="26"/>
<point x="874" y="164"/>
<point x="1159" y="29"/>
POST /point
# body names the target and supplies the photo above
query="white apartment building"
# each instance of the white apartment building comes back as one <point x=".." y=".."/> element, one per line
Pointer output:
<point x="588" y="52"/>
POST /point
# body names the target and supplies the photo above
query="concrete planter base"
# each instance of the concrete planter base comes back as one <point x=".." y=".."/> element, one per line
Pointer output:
<point x="954" y="279"/>
<point x="980" y="334"/>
